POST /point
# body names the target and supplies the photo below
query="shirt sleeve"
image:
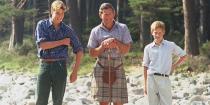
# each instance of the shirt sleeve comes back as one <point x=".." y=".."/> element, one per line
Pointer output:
<point x="40" y="34"/>
<point x="76" y="45"/>
<point x="126" y="37"/>
<point x="146" y="60"/>
<point x="178" y="51"/>
<point x="92" y="42"/>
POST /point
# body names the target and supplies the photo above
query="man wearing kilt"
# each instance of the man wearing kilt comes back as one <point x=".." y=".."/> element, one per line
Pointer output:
<point x="108" y="42"/>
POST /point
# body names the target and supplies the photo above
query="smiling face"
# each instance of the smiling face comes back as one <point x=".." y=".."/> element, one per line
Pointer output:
<point x="57" y="16"/>
<point x="158" y="34"/>
<point x="57" y="12"/>
<point x="107" y="16"/>
<point x="158" y="31"/>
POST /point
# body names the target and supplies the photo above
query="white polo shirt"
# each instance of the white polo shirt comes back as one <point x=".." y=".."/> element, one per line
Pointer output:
<point x="158" y="59"/>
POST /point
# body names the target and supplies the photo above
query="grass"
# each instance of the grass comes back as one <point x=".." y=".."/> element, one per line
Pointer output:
<point x="24" y="59"/>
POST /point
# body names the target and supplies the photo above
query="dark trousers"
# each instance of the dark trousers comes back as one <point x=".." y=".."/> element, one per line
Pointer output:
<point x="52" y="76"/>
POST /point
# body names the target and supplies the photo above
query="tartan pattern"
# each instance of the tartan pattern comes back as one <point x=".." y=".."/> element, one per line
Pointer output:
<point x="100" y="90"/>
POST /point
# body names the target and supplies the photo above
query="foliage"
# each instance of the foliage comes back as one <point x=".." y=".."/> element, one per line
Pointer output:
<point x="195" y="64"/>
<point x="205" y="50"/>
<point x="18" y="60"/>
<point x="27" y="48"/>
<point x="6" y="10"/>
<point x="6" y="13"/>
<point x="24" y="59"/>
<point x="199" y="63"/>
<point x="169" y="11"/>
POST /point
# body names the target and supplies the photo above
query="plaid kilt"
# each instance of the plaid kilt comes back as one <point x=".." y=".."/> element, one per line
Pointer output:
<point x="100" y="90"/>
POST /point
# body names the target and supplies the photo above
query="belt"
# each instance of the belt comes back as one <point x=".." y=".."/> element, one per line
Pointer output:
<point x="159" y="74"/>
<point x="51" y="60"/>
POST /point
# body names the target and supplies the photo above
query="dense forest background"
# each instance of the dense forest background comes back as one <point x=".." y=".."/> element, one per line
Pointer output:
<point x="187" y="23"/>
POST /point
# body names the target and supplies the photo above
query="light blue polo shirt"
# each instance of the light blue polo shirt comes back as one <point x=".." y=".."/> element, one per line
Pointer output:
<point x="119" y="31"/>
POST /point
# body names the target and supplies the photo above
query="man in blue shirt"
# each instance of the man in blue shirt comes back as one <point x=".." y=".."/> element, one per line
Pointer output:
<point x="53" y="38"/>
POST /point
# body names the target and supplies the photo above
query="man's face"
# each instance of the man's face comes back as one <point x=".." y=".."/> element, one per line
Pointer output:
<point x="158" y="34"/>
<point x="57" y="16"/>
<point x="107" y="16"/>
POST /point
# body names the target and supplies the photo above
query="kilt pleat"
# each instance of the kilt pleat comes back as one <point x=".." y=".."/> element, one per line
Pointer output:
<point x="100" y="90"/>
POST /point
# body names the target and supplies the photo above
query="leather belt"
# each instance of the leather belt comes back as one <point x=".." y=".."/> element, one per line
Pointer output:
<point x="159" y="74"/>
<point x="51" y="60"/>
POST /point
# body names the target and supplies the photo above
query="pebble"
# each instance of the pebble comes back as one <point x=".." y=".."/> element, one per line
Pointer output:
<point x="20" y="89"/>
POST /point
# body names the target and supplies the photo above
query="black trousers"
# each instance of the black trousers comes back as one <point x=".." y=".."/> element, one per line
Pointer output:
<point x="52" y="77"/>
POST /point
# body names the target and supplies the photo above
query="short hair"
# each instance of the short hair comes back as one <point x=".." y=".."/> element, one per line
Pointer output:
<point x="157" y="24"/>
<point x="58" y="4"/>
<point x="105" y="6"/>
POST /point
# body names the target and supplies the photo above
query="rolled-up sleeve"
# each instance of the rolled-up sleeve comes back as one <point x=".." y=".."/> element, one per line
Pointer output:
<point x="75" y="42"/>
<point x="40" y="34"/>
<point x="146" y="60"/>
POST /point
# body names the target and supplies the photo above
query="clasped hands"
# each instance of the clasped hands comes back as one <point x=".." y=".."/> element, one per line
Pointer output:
<point x="109" y="43"/>
<point x="66" y="41"/>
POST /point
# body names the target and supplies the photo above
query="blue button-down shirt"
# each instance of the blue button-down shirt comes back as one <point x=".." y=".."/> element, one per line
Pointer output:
<point x="45" y="32"/>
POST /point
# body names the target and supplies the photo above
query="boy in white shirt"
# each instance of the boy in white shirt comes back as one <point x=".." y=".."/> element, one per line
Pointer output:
<point x="158" y="65"/>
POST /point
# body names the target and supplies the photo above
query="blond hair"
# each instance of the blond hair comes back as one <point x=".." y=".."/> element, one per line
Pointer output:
<point x="157" y="24"/>
<point x="58" y="4"/>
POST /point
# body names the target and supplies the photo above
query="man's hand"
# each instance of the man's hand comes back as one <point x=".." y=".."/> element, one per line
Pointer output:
<point x="109" y="43"/>
<point x="145" y="90"/>
<point x="66" y="41"/>
<point x="53" y="44"/>
<point x="73" y="76"/>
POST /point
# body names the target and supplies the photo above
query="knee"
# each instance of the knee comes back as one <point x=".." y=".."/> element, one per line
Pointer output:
<point x="104" y="103"/>
<point x="118" y="103"/>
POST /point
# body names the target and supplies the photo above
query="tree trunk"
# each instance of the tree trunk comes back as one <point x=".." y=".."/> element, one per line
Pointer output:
<point x="118" y="10"/>
<point x="141" y="27"/>
<point x="191" y="39"/>
<point x="208" y="19"/>
<point x="43" y="7"/>
<point x="87" y="13"/>
<point x="16" y="38"/>
<point x="203" y="21"/>
<point x="83" y="14"/>
<point x="75" y="18"/>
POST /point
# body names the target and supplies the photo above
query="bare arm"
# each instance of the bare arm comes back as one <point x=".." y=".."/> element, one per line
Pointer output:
<point x="79" y="56"/>
<point x="107" y="44"/>
<point x="145" y="80"/>
<point x="95" y="52"/>
<point x="123" y="48"/>
<point x="53" y="44"/>
<point x="75" y="67"/>
<point x="178" y="62"/>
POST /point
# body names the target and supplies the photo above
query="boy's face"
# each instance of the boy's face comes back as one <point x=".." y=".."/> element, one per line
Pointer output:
<point x="158" y="35"/>
<point x="57" y="16"/>
<point x="107" y="16"/>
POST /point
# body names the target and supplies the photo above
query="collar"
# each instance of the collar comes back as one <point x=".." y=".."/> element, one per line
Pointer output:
<point x="51" y="24"/>
<point x="162" y="43"/>
<point x="103" y="27"/>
